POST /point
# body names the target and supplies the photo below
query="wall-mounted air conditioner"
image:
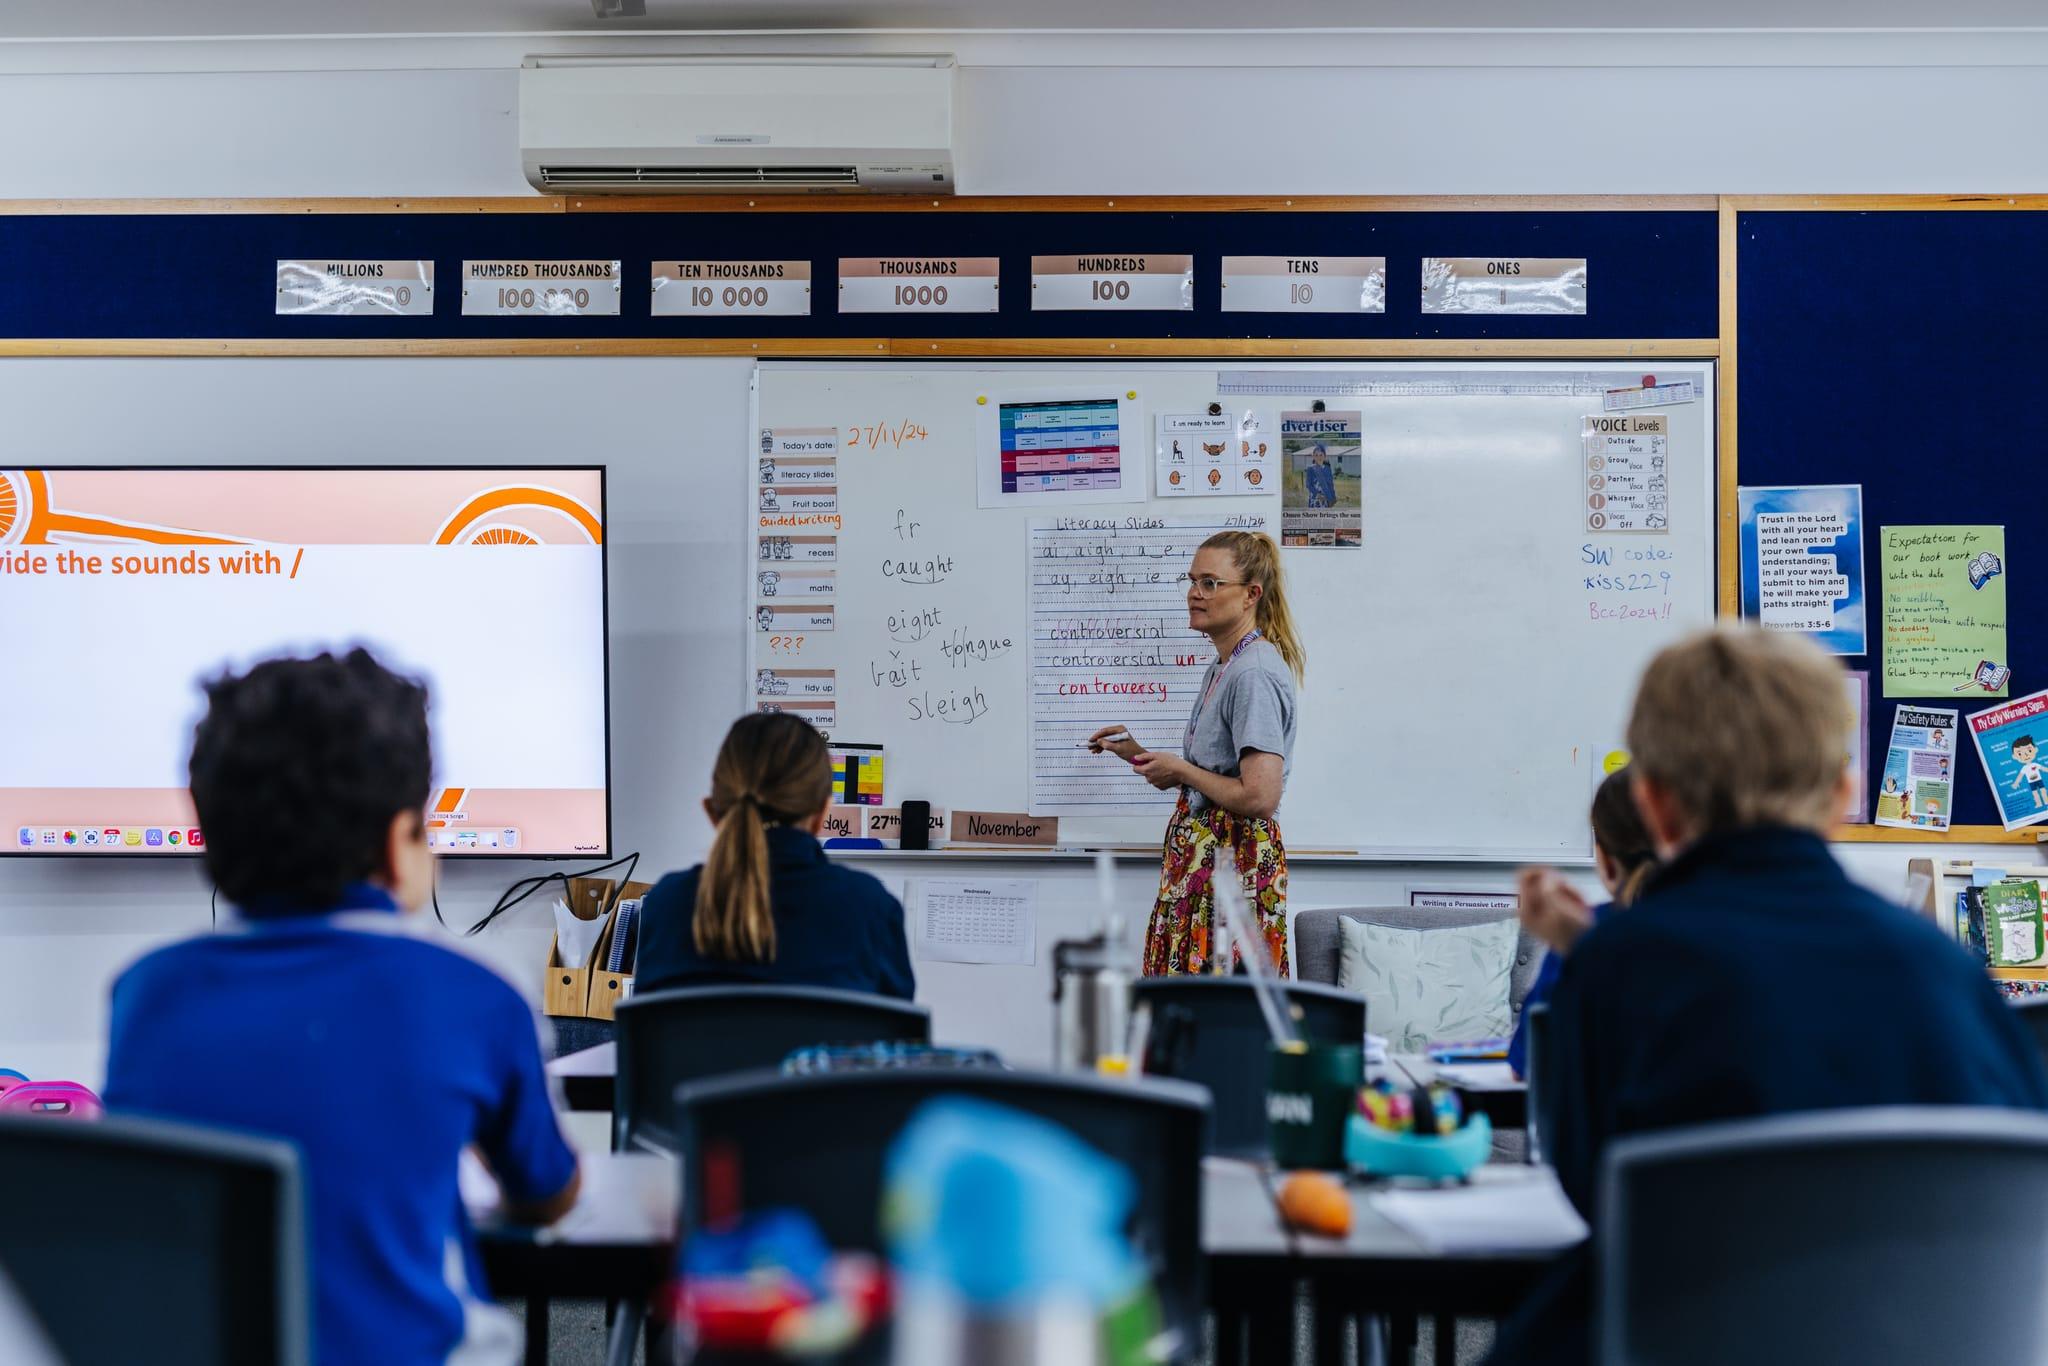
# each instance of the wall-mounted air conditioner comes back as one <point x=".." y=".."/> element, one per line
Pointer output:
<point x="610" y="125"/>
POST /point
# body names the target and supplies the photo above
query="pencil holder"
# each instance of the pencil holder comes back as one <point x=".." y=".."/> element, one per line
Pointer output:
<point x="1446" y="1157"/>
<point x="1309" y="1092"/>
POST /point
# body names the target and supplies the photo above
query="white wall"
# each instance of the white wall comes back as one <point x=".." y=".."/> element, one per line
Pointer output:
<point x="390" y="127"/>
<point x="1101" y="130"/>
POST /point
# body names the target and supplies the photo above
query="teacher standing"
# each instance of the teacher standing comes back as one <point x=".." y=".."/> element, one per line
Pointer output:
<point x="1237" y="751"/>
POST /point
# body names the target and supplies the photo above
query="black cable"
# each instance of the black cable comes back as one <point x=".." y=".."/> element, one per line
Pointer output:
<point x="534" y="884"/>
<point x="434" y="890"/>
<point x="213" y="907"/>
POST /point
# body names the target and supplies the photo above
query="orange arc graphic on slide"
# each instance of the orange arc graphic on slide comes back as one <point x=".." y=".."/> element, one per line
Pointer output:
<point x="498" y="499"/>
<point x="451" y="800"/>
<point x="504" y="535"/>
<point x="43" y="520"/>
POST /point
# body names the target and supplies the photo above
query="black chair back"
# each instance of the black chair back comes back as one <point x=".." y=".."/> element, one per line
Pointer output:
<point x="818" y="1143"/>
<point x="667" y="1038"/>
<point x="1227" y="1049"/>
<point x="1537" y="1074"/>
<point x="2033" y="1013"/>
<point x="1900" y="1234"/>
<point x="138" y="1240"/>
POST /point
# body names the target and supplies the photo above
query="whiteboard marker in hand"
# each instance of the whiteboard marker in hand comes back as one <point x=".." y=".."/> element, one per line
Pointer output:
<point x="1108" y="738"/>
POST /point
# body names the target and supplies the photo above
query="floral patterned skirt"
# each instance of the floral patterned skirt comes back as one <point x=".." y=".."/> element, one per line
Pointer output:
<point x="1177" y="940"/>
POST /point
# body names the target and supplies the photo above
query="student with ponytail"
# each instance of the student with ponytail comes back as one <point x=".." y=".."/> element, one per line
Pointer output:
<point x="1235" y="755"/>
<point x="766" y="906"/>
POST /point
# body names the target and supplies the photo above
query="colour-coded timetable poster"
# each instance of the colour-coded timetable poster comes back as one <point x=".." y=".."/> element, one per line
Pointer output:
<point x="856" y="775"/>
<point x="1110" y="644"/>
<point x="1055" y="451"/>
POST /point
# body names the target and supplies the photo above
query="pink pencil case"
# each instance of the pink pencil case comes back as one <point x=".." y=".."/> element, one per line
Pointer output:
<point x="55" y="1099"/>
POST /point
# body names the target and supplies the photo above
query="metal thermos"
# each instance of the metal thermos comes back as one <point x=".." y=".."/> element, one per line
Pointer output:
<point x="934" y="1330"/>
<point x="1091" y="1002"/>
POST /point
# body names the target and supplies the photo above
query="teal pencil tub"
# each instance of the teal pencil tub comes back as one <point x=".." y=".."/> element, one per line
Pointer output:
<point x="1369" y="1148"/>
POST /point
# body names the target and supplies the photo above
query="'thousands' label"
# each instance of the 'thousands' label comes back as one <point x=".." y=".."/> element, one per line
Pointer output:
<point x="918" y="284"/>
<point x="552" y="289"/>
<point x="1304" y="284"/>
<point x="732" y="289"/>
<point x="1003" y="827"/>
<point x="1112" y="281"/>
<point x="340" y="288"/>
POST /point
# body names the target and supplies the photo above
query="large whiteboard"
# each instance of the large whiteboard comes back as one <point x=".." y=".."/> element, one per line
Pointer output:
<point x="1470" y="665"/>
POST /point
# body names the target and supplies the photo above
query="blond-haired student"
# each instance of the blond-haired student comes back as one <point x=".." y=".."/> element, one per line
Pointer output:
<point x="767" y="906"/>
<point x="1751" y="976"/>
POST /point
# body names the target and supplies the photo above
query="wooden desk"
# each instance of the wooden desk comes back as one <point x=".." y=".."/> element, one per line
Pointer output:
<point x="618" y="1243"/>
<point x="1507" y="1107"/>
<point x="1256" y="1263"/>
<point x="586" y="1076"/>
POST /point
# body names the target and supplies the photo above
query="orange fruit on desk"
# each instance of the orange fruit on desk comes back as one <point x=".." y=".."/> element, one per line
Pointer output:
<point x="1315" y="1203"/>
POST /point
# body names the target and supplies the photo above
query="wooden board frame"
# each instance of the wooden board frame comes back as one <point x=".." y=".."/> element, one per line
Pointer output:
<point x="1732" y="206"/>
<point x="1723" y="348"/>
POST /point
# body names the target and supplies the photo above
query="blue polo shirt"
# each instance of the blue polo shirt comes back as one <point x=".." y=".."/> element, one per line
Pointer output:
<point x="381" y="1055"/>
<point x="834" y="927"/>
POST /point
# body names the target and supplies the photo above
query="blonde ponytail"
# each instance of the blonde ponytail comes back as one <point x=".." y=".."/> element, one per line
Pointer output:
<point x="1258" y="560"/>
<point x="773" y="769"/>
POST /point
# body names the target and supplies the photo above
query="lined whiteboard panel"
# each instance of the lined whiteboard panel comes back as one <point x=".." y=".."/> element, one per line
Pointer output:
<point x="1469" y="665"/>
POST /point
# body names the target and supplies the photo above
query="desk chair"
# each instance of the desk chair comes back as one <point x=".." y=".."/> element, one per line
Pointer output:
<point x="1226" y="1050"/>
<point x="817" y="1143"/>
<point x="140" y="1240"/>
<point x="1891" y="1234"/>
<point x="2033" y="1013"/>
<point x="1538" y="1076"/>
<point x="689" y="1033"/>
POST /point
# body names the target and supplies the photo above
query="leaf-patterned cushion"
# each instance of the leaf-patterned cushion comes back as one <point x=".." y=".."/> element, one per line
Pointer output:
<point x="1447" y="985"/>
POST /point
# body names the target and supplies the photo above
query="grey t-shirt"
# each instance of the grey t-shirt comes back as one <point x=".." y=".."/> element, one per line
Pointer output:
<point x="1252" y="708"/>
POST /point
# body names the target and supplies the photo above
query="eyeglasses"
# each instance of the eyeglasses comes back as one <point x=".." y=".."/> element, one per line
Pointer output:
<point x="1207" y="584"/>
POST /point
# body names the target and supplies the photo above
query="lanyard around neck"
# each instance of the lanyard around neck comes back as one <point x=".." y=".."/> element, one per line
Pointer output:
<point x="1231" y="659"/>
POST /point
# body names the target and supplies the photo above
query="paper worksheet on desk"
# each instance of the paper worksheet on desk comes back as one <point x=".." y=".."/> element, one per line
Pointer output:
<point x="989" y="921"/>
<point x="1110" y="645"/>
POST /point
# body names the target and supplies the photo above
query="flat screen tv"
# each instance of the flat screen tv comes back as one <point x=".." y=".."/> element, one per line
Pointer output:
<point x="122" y="589"/>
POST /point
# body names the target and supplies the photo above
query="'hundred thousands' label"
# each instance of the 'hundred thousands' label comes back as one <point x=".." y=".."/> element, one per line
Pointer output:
<point x="553" y="289"/>
<point x="918" y="284"/>
<point x="340" y="288"/>
<point x="1112" y="282"/>
<point x="718" y="289"/>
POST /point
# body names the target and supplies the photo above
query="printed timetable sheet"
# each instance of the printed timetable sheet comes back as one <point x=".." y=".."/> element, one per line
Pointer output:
<point x="976" y="922"/>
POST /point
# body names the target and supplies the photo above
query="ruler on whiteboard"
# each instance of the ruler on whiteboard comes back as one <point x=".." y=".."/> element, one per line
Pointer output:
<point x="1419" y="384"/>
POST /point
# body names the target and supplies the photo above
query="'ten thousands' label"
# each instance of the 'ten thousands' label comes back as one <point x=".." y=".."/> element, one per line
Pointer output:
<point x="1112" y="281"/>
<point x="718" y="289"/>
<point x="918" y="284"/>
<point x="553" y="289"/>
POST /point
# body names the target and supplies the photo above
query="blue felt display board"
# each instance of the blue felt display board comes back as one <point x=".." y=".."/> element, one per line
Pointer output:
<point x="1651" y="274"/>
<point x="1893" y="350"/>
